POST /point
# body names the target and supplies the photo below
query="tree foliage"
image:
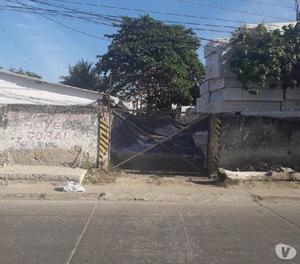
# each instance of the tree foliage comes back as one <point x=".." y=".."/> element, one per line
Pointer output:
<point x="290" y="61"/>
<point x="258" y="54"/>
<point x="84" y="75"/>
<point x="26" y="73"/>
<point x="150" y="59"/>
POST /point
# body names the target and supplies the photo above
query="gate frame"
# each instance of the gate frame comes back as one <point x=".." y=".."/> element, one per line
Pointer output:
<point x="214" y="143"/>
<point x="104" y="137"/>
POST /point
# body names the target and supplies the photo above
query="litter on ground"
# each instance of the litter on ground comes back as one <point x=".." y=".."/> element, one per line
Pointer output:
<point x="73" y="187"/>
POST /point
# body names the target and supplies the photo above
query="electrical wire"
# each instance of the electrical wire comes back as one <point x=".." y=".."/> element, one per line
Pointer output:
<point x="55" y="14"/>
<point x="269" y="4"/>
<point x="155" y="12"/>
<point x="38" y="11"/>
<point x="24" y="52"/>
<point x="78" y="11"/>
<point x="35" y="9"/>
<point x="120" y="17"/>
<point x="74" y="29"/>
<point x="232" y="10"/>
<point x="111" y="25"/>
<point x="66" y="26"/>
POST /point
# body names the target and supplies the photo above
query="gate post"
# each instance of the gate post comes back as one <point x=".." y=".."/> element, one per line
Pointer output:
<point x="214" y="144"/>
<point x="104" y="140"/>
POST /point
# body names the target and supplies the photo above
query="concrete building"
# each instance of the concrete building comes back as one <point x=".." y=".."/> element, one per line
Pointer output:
<point x="19" y="89"/>
<point x="222" y="93"/>
<point x="43" y="123"/>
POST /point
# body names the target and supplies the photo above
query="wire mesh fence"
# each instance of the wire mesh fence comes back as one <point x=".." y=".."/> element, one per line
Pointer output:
<point x="157" y="144"/>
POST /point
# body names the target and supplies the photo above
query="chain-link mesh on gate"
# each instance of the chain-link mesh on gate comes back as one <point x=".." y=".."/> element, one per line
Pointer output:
<point x="162" y="144"/>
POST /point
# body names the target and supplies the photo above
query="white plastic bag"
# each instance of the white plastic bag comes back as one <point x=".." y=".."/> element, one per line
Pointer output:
<point x="73" y="187"/>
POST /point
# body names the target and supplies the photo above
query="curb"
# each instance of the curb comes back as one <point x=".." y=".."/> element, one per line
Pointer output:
<point x="97" y="196"/>
<point x="278" y="198"/>
<point x="51" y="197"/>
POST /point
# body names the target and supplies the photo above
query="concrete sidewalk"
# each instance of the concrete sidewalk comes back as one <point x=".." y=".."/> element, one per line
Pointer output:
<point x="153" y="189"/>
<point x="27" y="173"/>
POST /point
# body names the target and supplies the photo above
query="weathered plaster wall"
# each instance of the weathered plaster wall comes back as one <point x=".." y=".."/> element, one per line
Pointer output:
<point x="252" y="140"/>
<point x="50" y="135"/>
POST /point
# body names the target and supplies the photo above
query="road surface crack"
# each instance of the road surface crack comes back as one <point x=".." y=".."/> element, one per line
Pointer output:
<point x="84" y="231"/>
<point x="257" y="199"/>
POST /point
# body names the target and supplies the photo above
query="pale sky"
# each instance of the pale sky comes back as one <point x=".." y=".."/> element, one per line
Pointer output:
<point x="35" y="43"/>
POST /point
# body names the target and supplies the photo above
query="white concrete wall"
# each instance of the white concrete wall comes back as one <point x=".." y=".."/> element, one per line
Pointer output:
<point x="53" y="135"/>
<point x="240" y="94"/>
<point x="293" y="94"/>
<point x="242" y="106"/>
<point x="215" y="71"/>
<point x="215" y="47"/>
<point x="202" y="104"/>
<point x="203" y="89"/>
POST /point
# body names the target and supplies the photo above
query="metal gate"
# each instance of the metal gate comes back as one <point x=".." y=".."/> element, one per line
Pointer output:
<point x="160" y="144"/>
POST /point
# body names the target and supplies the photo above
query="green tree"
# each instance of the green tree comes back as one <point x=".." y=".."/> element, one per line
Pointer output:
<point x="258" y="54"/>
<point x="290" y="59"/>
<point x="150" y="59"/>
<point x="84" y="75"/>
<point x="26" y="73"/>
<point x="254" y="55"/>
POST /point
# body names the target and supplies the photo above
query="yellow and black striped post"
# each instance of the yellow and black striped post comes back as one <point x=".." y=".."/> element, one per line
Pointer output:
<point x="104" y="141"/>
<point x="214" y="144"/>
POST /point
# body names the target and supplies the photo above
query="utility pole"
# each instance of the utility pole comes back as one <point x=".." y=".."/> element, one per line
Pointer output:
<point x="109" y="122"/>
<point x="298" y="9"/>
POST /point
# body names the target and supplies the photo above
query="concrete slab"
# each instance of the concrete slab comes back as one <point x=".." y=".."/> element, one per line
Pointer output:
<point x="147" y="189"/>
<point x="189" y="233"/>
<point x="136" y="232"/>
<point x="297" y="191"/>
<point x="291" y="105"/>
<point x="274" y="114"/>
<point x="242" y="106"/>
<point x="122" y="192"/>
<point x="240" y="94"/>
<point x="22" y="173"/>
<point x="277" y="195"/>
<point x="204" y="88"/>
<point x="40" y="232"/>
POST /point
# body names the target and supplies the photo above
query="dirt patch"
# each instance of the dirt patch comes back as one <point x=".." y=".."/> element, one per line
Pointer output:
<point x="148" y="181"/>
<point x="227" y="183"/>
<point x="74" y="157"/>
<point x="132" y="180"/>
<point x="157" y="180"/>
<point x="266" y="185"/>
<point x="98" y="176"/>
<point x="3" y="159"/>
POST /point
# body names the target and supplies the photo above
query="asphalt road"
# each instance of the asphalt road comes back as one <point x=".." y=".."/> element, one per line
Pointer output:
<point x="140" y="232"/>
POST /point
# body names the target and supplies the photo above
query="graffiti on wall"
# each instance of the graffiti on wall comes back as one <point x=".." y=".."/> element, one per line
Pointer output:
<point x="38" y="130"/>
